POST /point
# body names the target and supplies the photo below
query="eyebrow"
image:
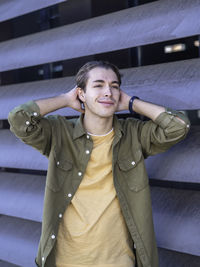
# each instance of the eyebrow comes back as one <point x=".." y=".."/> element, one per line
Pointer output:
<point x="102" y="81"/>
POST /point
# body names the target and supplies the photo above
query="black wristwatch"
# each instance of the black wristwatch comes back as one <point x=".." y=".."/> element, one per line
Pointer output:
<point x="131" y="104"/>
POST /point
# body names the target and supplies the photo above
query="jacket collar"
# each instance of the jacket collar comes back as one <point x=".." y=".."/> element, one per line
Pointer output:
<point x="117" y="127"/>
<point x="80" y="131"/>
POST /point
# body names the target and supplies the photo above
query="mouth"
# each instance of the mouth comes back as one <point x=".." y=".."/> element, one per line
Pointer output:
<point x="106" y="102"/>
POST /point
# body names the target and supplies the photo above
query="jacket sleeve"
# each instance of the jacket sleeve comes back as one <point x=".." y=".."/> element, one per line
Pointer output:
<point x="164" y="132"/>
<point x="33" y="129"/>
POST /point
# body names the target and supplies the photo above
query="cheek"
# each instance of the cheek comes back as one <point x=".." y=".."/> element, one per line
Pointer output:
<point x="92" y="95"/>
<point x="116" y="95"/>
<point x="89" y="99"/>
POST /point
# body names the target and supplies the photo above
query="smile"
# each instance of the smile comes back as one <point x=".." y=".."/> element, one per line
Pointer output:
<point x="106" y="102"/>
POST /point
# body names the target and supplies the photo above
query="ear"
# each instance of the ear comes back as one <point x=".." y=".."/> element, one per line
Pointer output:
<point x="81" y="94"/>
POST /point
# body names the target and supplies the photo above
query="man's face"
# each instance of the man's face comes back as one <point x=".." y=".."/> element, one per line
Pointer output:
<point x="102" y="93"/>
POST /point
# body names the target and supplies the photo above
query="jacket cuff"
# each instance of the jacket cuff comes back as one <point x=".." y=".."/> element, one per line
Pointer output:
<point x="31" y="108"/>
<point x="169" y="115"/>
<point x="24" y="117"/>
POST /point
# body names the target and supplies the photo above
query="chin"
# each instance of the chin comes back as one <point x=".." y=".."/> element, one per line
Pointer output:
<point x="106" y="115"/>
<point x="102" y="113"/>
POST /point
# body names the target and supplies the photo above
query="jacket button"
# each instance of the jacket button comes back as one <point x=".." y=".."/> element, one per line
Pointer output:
<point x="60" y="215"/>
<point x="133" y="163"/>
<point x="69" y="195"/>
<point x="79" y="173"/>
<point x="42" y="258"/>
<point x="53" y="237"/>
<point x="87" y="152"/>
<point x="27" y="122"/>
<point x="35" y="114"/>
<point x="88" y="137"/>
<point x="58" y="162"/>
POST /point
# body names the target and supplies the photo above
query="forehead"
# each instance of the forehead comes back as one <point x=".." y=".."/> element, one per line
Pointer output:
<point x="99" y="73"/>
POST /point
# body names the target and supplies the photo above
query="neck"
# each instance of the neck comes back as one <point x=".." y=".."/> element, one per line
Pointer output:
<point x="97" y="125"/>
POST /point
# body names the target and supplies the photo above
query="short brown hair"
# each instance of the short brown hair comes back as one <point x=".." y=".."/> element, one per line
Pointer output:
<point x="82" y="75"/>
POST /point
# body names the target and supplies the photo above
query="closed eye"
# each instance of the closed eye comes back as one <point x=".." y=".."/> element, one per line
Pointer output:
<point x="98" y="85"/>
<point x="113" y="86"/>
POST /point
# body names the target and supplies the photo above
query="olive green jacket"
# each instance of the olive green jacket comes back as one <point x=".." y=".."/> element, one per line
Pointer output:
<point x="65" y="143"/>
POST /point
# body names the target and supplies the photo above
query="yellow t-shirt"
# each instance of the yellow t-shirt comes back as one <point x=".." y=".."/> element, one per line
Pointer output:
<point x="92" y="231"/>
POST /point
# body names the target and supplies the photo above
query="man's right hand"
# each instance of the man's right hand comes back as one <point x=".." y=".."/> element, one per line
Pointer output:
<point x="73" y="100"/>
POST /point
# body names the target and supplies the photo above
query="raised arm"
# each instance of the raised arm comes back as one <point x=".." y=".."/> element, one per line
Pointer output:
<point x="28" y="123"/>
<point x="150" y="110"/>
<point x="165" y="128"/>
<point x="69" y="99"/>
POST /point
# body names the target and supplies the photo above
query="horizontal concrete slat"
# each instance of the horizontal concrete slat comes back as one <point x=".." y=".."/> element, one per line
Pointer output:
<point x="176" y="219"/>
<point x="155" y="22"/>
<point x="7" y="264"/>
<point x="169" y="258"/>
<point x="180" y="163"/>
<point x="172" y="84"/>
<point x="21" y="195"/>
<point x="15" y="154"/>
<point x="19" y="241"/>
<point x="12" y="8"/>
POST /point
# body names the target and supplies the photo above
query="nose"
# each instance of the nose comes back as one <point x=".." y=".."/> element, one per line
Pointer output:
<point x="107" y="91"/>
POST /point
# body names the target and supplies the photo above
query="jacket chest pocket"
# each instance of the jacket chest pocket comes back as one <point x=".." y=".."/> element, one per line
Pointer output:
<point x="133" y="172"/>
<point x="59" y="170"/>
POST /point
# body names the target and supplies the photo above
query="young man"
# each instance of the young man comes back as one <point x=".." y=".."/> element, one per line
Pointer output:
<point x="97" y="208"/>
